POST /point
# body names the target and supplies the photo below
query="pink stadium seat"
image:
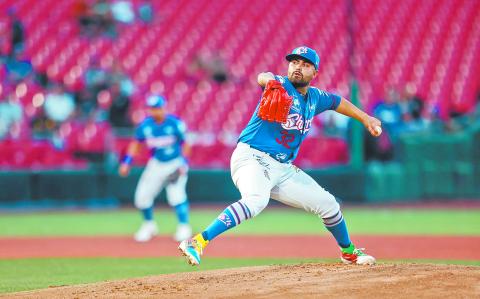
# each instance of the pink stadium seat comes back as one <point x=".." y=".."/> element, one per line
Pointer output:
<point x="434" y="45"/>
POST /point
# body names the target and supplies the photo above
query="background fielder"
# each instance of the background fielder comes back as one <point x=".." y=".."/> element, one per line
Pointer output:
<point x="164" y="134"/>
<point x="261" y="165"/>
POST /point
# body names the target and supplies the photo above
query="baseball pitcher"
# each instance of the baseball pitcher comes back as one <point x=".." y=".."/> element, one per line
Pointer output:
<point x="164" y="135"/>
<point x="261" y="164"/>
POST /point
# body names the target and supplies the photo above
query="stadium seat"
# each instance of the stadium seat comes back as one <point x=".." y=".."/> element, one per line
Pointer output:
<point x="432" y="45"/>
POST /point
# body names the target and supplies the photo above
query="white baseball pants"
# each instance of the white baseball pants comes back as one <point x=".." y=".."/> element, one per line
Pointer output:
<point x="155" y="177"/>
<point x="259" y="177"/>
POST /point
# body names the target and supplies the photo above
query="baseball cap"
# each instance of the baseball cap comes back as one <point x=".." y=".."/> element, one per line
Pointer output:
<point x="156" y="101"/>
<point x="306" y="53"/>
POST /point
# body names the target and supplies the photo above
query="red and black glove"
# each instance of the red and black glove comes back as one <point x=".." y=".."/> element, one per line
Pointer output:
<point x="275" y="103"/>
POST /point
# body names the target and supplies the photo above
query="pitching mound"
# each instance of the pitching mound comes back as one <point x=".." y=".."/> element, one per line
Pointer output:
<point x="292" y="281"/>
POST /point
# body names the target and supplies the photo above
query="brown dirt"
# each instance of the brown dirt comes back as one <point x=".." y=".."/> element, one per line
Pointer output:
<point x="298" y="281"/>
<point x="382" y="247"/>
<point x="292" y="281"/>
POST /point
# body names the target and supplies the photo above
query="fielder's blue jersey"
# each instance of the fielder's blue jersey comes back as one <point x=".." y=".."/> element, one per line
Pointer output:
<point x="282" y="141"/>
<point x="164" y="139"/>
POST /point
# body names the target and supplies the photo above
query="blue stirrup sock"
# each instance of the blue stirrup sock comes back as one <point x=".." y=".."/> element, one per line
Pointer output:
<point x="147" y="214"/>
<point x="338" y="228"/>
<point x="232" y="216"/>
<point x="182" y="212"/>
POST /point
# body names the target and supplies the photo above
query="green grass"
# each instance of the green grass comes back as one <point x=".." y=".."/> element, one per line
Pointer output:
<point x="31" y="274"/>
<point x="369" y="221"/>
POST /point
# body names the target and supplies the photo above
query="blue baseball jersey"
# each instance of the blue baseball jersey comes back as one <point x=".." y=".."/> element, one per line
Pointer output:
<point x="282" y="141"/>
<point x="164" y="139"/>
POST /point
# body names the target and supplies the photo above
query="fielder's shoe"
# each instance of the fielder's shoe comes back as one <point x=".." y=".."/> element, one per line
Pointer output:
<point x="192" y="249"/>
<point x="353" y="255"/>
<point x="147" y="231"/>
<point x="183" y="232"/>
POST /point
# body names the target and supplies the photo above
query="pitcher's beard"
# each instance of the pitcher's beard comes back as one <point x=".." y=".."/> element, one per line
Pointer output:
<point x="299" y="84"/>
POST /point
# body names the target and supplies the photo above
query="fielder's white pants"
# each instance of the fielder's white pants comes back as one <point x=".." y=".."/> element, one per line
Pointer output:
<point x="155" y="177"/>
<point x="259" y="177"/>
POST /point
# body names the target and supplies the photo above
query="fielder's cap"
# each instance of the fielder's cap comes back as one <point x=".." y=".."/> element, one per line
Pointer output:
<point x="156" y="101"/>
<point x="306" y="53"/>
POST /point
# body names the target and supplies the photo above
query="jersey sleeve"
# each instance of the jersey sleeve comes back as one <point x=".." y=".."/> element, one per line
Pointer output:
<point x="326" y="101"/>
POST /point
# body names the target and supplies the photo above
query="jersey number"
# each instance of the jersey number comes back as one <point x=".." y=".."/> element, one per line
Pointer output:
<point x="286" y="139"/>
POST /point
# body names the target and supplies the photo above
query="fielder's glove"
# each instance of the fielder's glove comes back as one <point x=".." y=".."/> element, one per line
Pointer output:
<point x="173" y="177"/>
<point x="275" y="103"/>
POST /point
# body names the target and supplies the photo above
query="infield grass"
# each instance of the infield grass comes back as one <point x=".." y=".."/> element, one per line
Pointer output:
<point x="275" y="221"/>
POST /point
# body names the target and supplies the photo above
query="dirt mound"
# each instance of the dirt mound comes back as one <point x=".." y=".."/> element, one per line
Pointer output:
<point x="293" y="281"/>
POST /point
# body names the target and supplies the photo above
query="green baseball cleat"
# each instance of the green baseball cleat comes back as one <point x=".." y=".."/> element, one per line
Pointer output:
<point x="353" y="255"/>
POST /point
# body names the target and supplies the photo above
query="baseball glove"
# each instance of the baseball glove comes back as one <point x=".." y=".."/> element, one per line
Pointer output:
<point x="173" y="177"/>
<point x="275" y="103"/>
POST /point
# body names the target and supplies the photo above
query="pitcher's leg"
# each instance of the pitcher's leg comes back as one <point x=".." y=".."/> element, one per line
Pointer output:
<point x="254" y="184"/>
<point x="301" y="191"/>
<point x="255" y="190"/>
